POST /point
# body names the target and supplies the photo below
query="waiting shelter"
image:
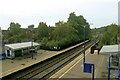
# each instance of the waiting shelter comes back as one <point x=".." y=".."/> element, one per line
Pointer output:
<point x="110" y="51"/>
<point x="19" y="49"/>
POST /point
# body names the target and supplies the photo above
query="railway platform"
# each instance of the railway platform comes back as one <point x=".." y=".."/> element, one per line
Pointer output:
<point x="75" y="68"/>
<point x="10" y="66"/>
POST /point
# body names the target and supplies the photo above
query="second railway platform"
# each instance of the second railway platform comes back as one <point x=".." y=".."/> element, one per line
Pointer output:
<point x="11" y="66"/>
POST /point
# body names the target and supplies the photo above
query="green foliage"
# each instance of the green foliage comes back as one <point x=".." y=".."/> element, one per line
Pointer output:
<point x="31" y="27"/>
<point x="70" y="32"/>
<point x="53" y="43"/>
<point x="14" y="33"/>
<point x="42" y="31"/>
<point x="108" y="35"/>
<point x="119" y="34"/>
<point x="78" y="23"/>
<point x="44" y="42"/>
<point x="64" y="34"/>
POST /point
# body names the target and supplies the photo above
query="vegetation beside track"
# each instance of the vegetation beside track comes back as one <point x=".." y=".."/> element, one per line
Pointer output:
<point x="62" y="35"/>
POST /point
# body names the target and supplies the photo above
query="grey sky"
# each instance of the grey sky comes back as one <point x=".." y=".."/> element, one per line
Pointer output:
<point x="26" y="12"/>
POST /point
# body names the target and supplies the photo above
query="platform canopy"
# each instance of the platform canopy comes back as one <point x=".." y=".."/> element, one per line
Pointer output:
<point x="110" y="50"/>
<point x="21" y="45"/>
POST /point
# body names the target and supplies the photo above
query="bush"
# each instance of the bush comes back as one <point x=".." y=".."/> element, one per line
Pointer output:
<point x="53" y="45"/>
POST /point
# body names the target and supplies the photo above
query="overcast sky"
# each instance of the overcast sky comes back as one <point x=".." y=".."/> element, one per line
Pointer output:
<point x="27" y="12"/>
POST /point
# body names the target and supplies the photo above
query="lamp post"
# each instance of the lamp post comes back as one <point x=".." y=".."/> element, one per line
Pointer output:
<point x="31" y="27"/>
<point x="84" y="60"/>
<point x="84" y="45"/>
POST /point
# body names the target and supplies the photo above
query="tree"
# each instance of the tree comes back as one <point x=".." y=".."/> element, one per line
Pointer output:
<point x="14" y="33"/>
<point x="65" y="34"/>
<point x="118" y="34"/>
<point x="14" y="28"/>
<point x="109" y="34"/>
<point x="78" y="22"/>
<point x="42" y="31"/>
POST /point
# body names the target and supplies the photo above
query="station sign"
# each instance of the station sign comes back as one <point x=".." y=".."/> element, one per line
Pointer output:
<point x="88" y="67"/>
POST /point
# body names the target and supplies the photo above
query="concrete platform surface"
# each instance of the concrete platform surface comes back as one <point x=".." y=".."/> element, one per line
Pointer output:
<point x="10" y="66"/>
<point x="75" y="68"/>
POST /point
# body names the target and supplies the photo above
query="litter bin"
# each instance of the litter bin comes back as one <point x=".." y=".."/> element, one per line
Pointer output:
<point x="96" y="52"/>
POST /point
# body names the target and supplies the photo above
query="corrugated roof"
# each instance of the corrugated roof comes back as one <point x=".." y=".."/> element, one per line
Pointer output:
<point x="21" y="45"/>
<point x="110" y="49"/>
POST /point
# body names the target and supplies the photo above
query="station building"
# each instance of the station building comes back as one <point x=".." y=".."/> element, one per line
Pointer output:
<point x="19" y="49"/>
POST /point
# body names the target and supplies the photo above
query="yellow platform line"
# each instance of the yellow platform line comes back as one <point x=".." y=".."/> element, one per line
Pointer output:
<point x="81" y="57"/>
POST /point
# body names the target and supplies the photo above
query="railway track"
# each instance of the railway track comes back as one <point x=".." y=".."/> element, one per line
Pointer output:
<point x="47" y="68"/>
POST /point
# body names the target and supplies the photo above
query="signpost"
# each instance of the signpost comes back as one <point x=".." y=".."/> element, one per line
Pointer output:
<point x="89" y="68"/>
